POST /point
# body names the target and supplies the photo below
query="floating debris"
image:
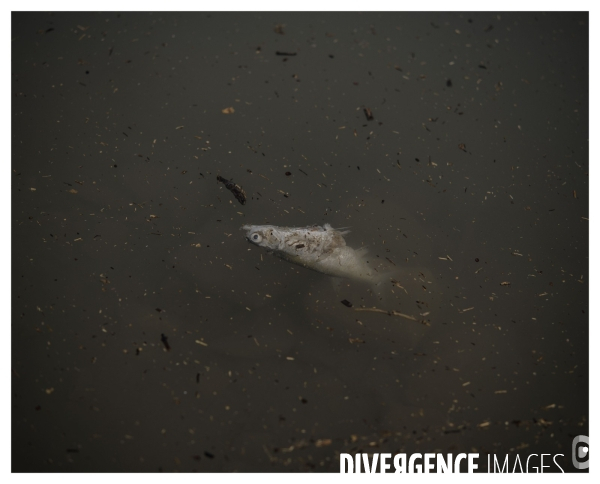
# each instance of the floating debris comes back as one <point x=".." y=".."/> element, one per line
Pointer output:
<point x="397" y="284"/>
<point x="368" y="114"/>
<point x="228" y="110"/>
<point x="165" y="341"/>
<point x="346" y="303"/>
<point x="233" y="188"/>
<point x="356" y="340"/>
<point x="393" y="313"/>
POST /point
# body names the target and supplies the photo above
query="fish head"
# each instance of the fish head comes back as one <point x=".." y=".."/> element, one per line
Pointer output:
<point x="262" y="235"/>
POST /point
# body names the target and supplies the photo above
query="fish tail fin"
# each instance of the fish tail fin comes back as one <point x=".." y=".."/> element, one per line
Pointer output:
<point x="340" y="230"/>
<point x="381" y="278"/>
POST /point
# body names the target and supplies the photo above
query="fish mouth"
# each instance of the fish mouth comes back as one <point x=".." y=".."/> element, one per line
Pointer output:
<point x="247" y="228"/>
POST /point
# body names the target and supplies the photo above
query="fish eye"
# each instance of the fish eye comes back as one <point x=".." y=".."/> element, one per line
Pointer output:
<point x="256" y="237"/>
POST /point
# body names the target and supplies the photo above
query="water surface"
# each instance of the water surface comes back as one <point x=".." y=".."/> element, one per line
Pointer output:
<point x="470" y="181"/>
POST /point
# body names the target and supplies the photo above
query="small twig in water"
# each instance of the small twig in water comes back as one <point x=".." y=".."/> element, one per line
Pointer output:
<point x="393" y="313"/>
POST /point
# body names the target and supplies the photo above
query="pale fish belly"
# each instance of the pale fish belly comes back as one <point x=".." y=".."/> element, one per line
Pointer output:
<point x="341" y="262"/>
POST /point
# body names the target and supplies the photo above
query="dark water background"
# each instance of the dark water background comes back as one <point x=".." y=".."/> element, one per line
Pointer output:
<point x="473" y="173"/>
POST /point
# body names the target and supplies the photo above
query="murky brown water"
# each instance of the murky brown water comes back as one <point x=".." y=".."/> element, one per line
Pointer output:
<point x="470" y="181"/>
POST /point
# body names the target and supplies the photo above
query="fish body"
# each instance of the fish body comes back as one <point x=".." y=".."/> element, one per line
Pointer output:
<point x="322" y="249"/>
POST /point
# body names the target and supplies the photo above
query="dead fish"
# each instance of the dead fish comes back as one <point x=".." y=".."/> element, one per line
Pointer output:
<point x="322" y="249"/>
